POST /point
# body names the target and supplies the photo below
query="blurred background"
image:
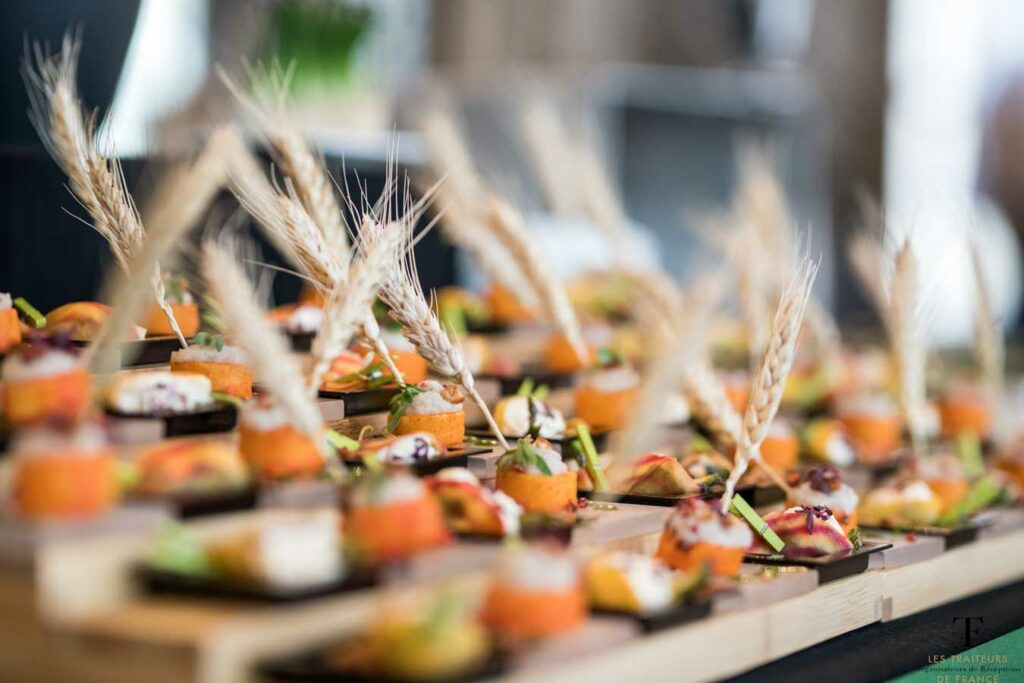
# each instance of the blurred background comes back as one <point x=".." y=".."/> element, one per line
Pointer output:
<point x="916" y="103"/>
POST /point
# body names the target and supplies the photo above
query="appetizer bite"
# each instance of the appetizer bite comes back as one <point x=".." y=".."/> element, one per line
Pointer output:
<point x="874" y="424"/>
<point x="657" y="474"/>
<point x="966" y="408"/>
<point x="533" y="475"/>
<point x="470" y="508"/>
<point x="416" y="637"/>
<point x="535" y="592"/>
<point x="560" y="356"/>
<point x="519" y="416"/>
<point x="699" y="534"/>
<point x="10" y="326"/>
<point x="910" y="503"/>
<point x="408" y="449"/>
<point x="409" y="362"/>
<point x="432" y="407"/>
<point x="823" y="487"/>
<point x="183" y="308"/>
<point x="807" y="531"/>
<point x="393" y="516"/>
<point x="159" y="392"/>
<point x="505" y="307"/>
<point x="945" y="476"/>
<point x="826" y="440"/>
<point x="63" y="473"/>
<point x="780" y="447"/>
<point x="298" y="318"/>
<point x="80" y="321"/>
<point x="225" y="365"/>
<point x="635" y="583"/>
<point x="606" y="395"/>
<point x="45" y="380"/>
<point x="272" y="445"/>
<point x="187" y="467"/>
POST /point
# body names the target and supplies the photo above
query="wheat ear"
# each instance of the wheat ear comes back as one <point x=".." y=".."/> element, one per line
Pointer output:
<point x="599" y="196"/>
<point x="549" y="154"/>
<point x="710" y="404"/>
<point x="507" y="226"/>
<point x="989" y="346"/>
<point x="352" y="297"/>
<point x="404" y="297"/>
<point x="770" y="379"/>
<point x="273" y="362"/>
<point x="908" y="343"/>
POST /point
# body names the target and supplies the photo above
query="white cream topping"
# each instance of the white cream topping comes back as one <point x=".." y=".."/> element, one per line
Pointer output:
<point x="304" y="319"/>
<point x="87" y="438"/>
<point x="430" y="402"/>
<point x="839" y="451"/>
<point x="652" y="582"/>
<point x="537" y="569"/>
<point x="844" y="499"/>
<point x="408" y="449"/>
<point x="779" y="429"/>
<point x="509" y="511"/>
<point x="5" y="301"/>
<point x="516" y="418"/>
<point x="551" y="458"/>
<point x="397" y="488"/>
<point x="918" y="492"/>
<point x="160" y="391"/>
<point x="53" y="362"/>
<point x="458" y="475"/>
<point x="942" y="466"/>
<point x="263" y="417"/>
<point x="301" y="549"/>
<point x="617" y="378"/>
<point x="675" y="410"/>
<point x="872" y="405"/>
<point x="196" y="352"/>
<point x="721" y="530"/>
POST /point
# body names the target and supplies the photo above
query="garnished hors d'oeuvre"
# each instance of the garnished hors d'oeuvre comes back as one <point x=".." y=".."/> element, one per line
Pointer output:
<point x="823" y="486"/>
<point x="944" y="473"/>
<point x="825" y="439"/>
<point x="416" y="637"/>
<point x="432" y="407"/>
<point x="874" y="424"/>
<point x="279" y="551"/>
<point x="535" y="592"/>
<point x="188" y="467"/>
<point x="911" y="503"/>
<point x="636" y="584"/>
<point x="159" y="392"/>
<point x="699" y="534"/>
<point x="45" y="380"/>
<point x="63" y="472"/>
<point x="408" y="449"/>
<point x="658" y="474"/>
<point x="272" y="445"/>
<point x="410" y="363"/>
<point x="183" y="308"/>
<point x="534" y="475"/>
<point x="473" y="509"/>
<point x="523" y="414"/>
<point x="393" y="516"/>
<point x="780" y="447"/>
<point x="560" y="357"/>
<point x="225" y="365"/>
<point x="298" y="319"/>
<point x="81" y="321"/>
<point x="605" y="396"/>
<point x="966" y="408"/>
<point x="10" y="326"/>
<point x="808" y="531"/>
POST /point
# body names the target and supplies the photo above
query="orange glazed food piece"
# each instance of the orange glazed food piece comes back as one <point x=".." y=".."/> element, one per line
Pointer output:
<point x="280" y="453"/>
<point x="10" y="329"/>
<point x="720" y="560"/>
<point x="505" y="307"/>
<point x="561" y="357"/>
<point x="71" y="484"/>
<point x="780" y="450"/>
<point x="397" y="530"/>
<point x="412" y="365"/>
<point x="517" y="613"/>
<point x="604" y="410"/>
<point x="157" y="324"/>
<point x="448" y="428"/>
<point x="227" y="378"/>
<point x="965" y="412"/>
<point x="63" y="396"/>
<point x="539" y="492"/>
<point x="874" y="436"/>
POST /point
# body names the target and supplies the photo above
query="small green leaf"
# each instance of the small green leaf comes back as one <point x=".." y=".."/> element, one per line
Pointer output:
<point x="533" y="457"/>
<point x="542" y="392"/>
<point x="968" y="450"/>
<point x="221" y="397"/>
<point x="29" y="313"/>
<point x="526" y="388"/>
<point x="340" y="441"/>
<point x="590" y="459"/>
<point x="607" y="356"/>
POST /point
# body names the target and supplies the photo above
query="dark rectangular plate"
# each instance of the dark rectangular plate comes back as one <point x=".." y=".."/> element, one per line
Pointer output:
<point x="312" y="667"/>
<point x="148" y="351"/>
<point x="169" y="583"/>
<point x="456" y="457"/>
<point x="563" y="444"/>
<point x="683" y="613"/>
<point x="219" y="418"/>
<point x="217" y="502"/>
<point x="952" y="537"/>
<point x="829" y="567"/>
<point x="301" y="341"/>
<point x="363" y="402"/>
<point x="510" y="383"/>
<point x="757" y="496"/>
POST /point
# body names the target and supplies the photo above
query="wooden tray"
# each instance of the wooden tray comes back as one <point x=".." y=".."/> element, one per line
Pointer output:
<point x="829" y="567"/>
<point x="164" y="582"/>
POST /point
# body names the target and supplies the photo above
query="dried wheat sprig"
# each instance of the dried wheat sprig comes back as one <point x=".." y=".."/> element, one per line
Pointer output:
<point x="272" y="360"/>
<point x="752" y="287"/>
<point x="710" y="403"/>
<point x="824" y="330"/>
<point x="908" y="343"/>
<point x="989" y="346"/>
<point x="448" y="151"/>
<point x="761" y="202"/>
<point x="550" y="158"/>
<point x="404" y="297"/>
<point x="96" y="182"/>
<point x="599" y="197"/>
<point x="507" y="226"/>
<point x="770" y="378"/>
<point x="352" y="297"/>
<point x="867" y="260"/>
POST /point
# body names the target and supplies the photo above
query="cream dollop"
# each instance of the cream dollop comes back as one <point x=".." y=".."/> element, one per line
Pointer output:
<point x="430" y="402"/>
<point x="652" y="582"/>
<point x="234" y="355"/>
<point x="52" y="362"/>
<point x="537" y="569"/>
<point x="844" y="499"/>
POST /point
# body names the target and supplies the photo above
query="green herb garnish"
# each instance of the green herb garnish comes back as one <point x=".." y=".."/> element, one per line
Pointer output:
<point x="524" y="455"/>
<point x="29" y="313"/>
<point x="221" y="397"/>
<point x="982" y="493"/>
<point x="855" y="538"/>
<point x="542" y="392"/>
<point x="607" y="357"/>
<point x="340" y="441"/>
<point x="400" y="402"/>
<point x="526" y="388"/>
<point x="968" y="450"/>
<point x="180" y="552"/>
<point x="741" y="508"/>
<point x="591" y="461"/>
<point x="204" y="338"/>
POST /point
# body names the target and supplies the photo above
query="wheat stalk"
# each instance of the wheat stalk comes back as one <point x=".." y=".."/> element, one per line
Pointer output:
<point x="868" y="263"/>
<point x="273" y="362"/>
<point x="598" y="195"/>
<point x="710" y="404"/>
<point x="507" y="226"/>
<point x="770" y="378"/>
<point x="908" y="343"/>
<point x="989" y="346"/>
<point x="352" y="297"/>
<point x="549" y="155"/>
